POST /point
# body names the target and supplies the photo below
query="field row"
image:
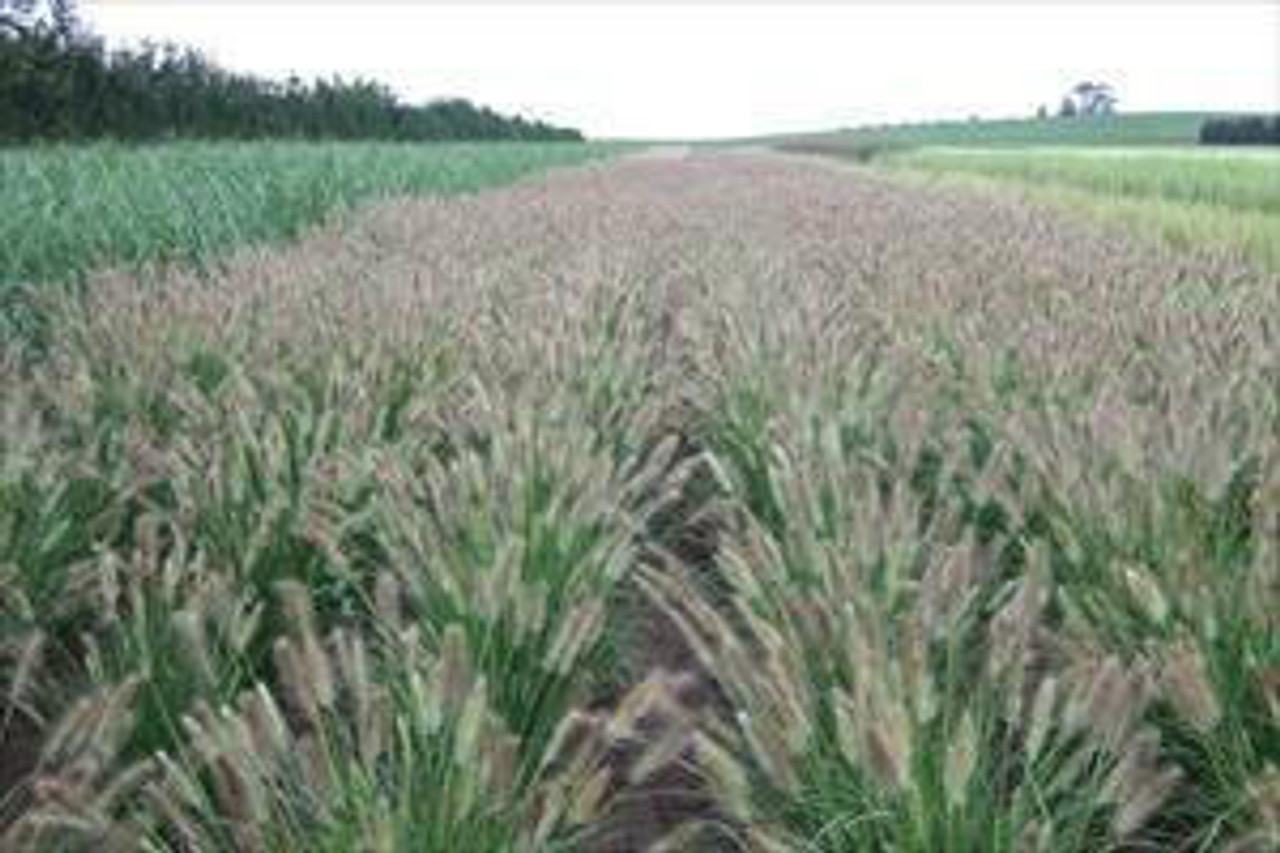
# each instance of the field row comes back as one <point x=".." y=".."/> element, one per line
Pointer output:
<point x="77" y="208"/>
<point x="726" y="502"/>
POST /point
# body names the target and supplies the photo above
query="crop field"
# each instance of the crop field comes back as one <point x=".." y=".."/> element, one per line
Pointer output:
<point x="72" y="209"/>
<point x="1227" y="198"/>
<point x="1246" y="181"/>
<point x="705" y="501"/>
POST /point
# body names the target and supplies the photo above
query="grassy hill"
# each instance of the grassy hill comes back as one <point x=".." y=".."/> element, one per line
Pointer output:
<point x="1166" y="128"/>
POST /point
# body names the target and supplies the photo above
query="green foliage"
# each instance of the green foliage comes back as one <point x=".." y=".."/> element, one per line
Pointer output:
<point x="1245" y="183"/>
<point x="69" y="210"/>
<point x="58" y="82"/>
<point x="1249" y="130"/>
<point x="1189" y="198"/>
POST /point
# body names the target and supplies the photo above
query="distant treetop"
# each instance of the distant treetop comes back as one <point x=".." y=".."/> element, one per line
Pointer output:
<point x="1088" y="98"/>
<point x="1241" y="130"/>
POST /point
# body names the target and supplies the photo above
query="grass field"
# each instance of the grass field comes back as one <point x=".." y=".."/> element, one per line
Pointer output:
<point x="726" y="501"/>
<point x="1141" y="172"/>
<point x="1245" y="180"/>
<point x="71" y="209"/>
<point x="1190" y="197"/>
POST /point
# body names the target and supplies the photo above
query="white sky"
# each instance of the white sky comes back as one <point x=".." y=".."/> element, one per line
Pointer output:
<point x="661" y="70"/>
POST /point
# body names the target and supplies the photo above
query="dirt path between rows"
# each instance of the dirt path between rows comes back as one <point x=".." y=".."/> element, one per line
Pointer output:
<point x="664" y="152"/>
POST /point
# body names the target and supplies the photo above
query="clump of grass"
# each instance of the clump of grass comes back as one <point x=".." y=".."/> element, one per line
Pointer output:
<point x="1185" y="568"/>
<point x="898" y="691"/>
<point x="388" y="746"/>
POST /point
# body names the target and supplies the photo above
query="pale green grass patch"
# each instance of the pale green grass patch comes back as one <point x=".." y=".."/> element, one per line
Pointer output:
<point x="1189" y="198"/>
<point x="1247" y="181"/>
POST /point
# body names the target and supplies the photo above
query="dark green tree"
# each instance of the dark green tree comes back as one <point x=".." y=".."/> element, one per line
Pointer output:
<point x="59" y="82"/>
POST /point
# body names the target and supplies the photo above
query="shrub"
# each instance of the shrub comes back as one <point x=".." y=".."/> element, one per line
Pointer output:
<point x="1246" y="130"/>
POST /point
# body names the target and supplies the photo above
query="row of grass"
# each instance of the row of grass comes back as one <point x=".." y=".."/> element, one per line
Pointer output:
<point x="66" y="210"/>
<point x="345" y="611"/>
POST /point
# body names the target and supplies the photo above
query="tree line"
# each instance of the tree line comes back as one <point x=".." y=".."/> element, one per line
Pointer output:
<point x="1245" y="130"/>
<point x="58" y="81"/>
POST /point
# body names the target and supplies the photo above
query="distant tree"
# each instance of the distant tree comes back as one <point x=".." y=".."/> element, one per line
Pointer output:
<point x="58" y="81"/>
<point x="64" y="20"/>
<point x="1244" y="130"/>
<point x="1093" y="99"/>
<point x="1068" y="108"/>
<point x="1042" y="112"/>
<point x="16" y="17"/>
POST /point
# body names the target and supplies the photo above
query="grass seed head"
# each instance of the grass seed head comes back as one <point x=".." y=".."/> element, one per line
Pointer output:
<point x="1187" y="686"/>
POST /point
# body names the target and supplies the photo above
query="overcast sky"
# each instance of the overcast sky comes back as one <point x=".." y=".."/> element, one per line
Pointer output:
<point x="661" y="70"/>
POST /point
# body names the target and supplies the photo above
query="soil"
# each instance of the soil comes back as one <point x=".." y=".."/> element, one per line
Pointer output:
<point x="20" y="740"/>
